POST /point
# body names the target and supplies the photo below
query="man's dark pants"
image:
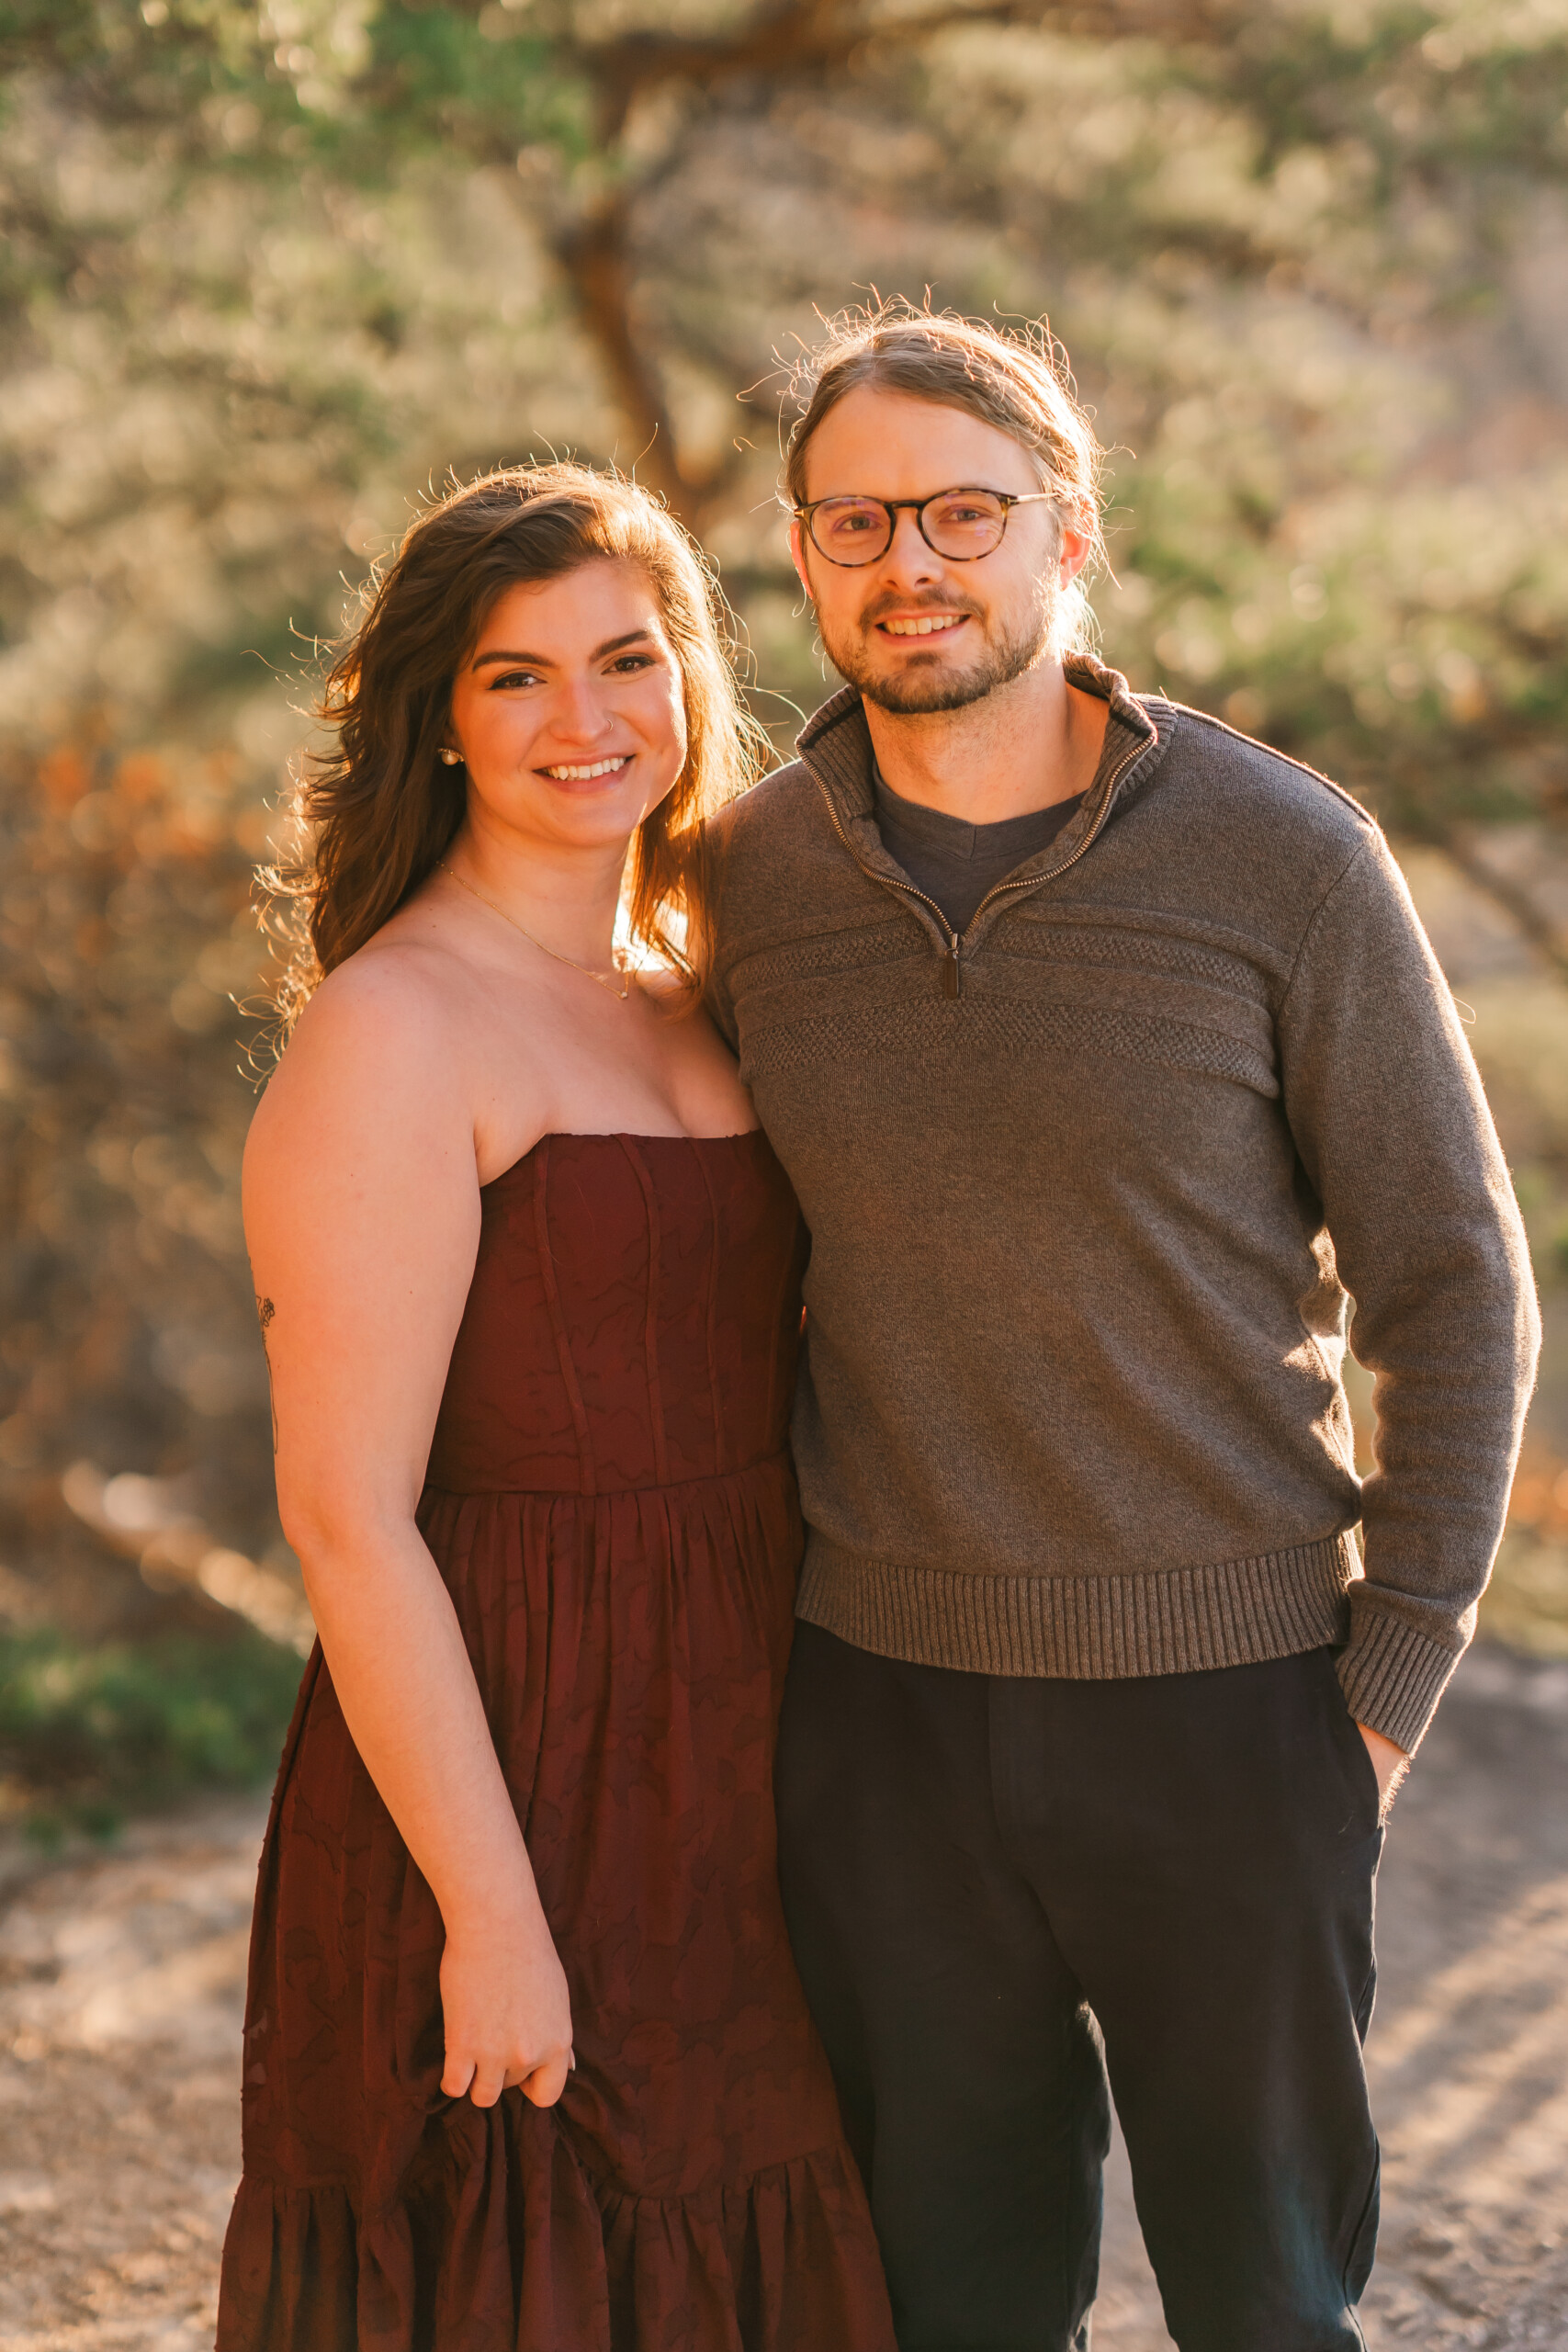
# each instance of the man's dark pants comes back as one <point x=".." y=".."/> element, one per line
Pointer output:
<point x="985" y="1876"/>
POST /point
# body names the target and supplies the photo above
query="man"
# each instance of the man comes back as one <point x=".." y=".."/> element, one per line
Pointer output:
<point x="1110" y="1064"/>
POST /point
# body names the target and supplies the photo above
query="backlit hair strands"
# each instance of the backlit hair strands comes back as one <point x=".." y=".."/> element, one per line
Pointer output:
<point x="378" y="808"/>
<point x="1013" y="378"/>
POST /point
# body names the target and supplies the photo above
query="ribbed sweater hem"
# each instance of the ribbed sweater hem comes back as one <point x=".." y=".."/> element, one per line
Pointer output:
<point x="1084" y="1628"/>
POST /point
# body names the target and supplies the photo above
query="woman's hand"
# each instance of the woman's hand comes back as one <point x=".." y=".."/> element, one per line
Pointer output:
<point x="507" y="2010"/>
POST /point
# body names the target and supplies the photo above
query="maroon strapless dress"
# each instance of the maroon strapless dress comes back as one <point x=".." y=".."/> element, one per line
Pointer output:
<point x="611" y="1506"/>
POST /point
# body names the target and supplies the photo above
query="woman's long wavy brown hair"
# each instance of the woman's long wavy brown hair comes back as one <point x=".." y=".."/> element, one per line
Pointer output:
<point x="380" y="808"/>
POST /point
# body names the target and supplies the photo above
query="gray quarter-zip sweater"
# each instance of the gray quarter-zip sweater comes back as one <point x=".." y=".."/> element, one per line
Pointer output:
<point x="1094" y="1193"/>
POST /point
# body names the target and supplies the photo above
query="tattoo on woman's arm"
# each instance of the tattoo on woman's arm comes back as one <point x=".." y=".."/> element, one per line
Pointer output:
<point x="265" y="1313"/>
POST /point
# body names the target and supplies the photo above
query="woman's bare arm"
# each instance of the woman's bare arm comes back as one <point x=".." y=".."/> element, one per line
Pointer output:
<point x="362" y="1215"/>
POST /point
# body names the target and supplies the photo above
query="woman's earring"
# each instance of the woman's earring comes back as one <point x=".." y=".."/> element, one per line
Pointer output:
<point x="452" y="758"/>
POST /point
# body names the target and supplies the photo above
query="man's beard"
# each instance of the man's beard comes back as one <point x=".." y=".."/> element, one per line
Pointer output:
<point x="915" y="692"/>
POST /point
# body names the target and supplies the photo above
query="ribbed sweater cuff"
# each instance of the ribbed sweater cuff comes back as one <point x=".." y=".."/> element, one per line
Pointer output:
<point x="1393" y="1676"/>
<point x="1083" y="1628"/>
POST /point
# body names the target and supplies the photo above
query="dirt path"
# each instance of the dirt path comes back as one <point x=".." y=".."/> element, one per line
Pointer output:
<point x="121" y="1975"/>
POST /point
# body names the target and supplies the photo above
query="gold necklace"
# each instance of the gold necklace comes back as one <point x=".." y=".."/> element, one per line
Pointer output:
<point x="587" y="970"/>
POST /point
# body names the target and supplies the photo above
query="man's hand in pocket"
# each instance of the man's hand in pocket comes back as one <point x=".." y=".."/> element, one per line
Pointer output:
<point x="1389" y="1762"/>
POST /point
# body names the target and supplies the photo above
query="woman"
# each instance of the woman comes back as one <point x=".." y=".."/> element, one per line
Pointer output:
<point x="526" y="2062"/>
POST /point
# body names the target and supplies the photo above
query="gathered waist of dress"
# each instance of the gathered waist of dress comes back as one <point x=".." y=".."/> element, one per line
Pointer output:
<point x="778" y="1460"/>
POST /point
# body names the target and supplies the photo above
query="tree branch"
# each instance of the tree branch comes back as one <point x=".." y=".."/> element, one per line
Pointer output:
<point x="795" y="39"/>
<point x="1530" y="920"/>
<point x="802" y="35"/>
<point x="593" y="251"/>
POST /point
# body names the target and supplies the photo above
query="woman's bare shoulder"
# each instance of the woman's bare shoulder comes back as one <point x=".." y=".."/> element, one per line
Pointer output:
<point x="399" y="976"/>
<point x="383" y="1034"/>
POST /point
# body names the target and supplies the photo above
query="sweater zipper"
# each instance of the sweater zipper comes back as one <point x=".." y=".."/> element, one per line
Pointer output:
<point x="892" y="882"/>
<point x="953" y="968"/>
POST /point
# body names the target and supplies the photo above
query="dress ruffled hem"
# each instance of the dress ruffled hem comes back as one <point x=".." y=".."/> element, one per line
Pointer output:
<point x="496" y="2242"/>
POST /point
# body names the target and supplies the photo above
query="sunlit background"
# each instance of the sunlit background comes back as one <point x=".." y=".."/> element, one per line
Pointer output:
<point x="271" y="273"/>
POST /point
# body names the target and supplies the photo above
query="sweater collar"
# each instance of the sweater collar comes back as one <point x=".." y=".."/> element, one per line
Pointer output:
<point x="835" y="746"/>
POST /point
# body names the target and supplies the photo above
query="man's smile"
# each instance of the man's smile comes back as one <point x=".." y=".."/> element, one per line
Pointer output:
<point x="923" y="625"/>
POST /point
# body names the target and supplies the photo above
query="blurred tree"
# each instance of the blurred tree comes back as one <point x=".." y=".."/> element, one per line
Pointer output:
<point x="270" y="269"/>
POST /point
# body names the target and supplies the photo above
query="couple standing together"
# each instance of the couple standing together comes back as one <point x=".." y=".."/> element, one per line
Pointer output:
<point x="1101" y="1064"/>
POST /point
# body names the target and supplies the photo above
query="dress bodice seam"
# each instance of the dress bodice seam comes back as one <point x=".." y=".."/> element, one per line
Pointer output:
<point x="603" y="1493"/>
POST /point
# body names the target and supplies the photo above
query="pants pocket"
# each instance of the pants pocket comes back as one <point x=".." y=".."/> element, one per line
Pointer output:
<point x="1360" y="1773"/>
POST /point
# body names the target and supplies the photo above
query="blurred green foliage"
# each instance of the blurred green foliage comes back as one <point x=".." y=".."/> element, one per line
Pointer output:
<point x="88" y="1734"/>
<point x="271" y="267"/>
<point x="1525" y="1607"/>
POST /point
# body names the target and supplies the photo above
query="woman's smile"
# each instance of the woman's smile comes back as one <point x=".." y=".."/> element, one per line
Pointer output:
<point x="565" y="775"/>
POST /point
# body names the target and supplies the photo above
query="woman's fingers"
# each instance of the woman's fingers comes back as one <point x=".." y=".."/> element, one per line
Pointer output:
<point x="456" y="2076"/>
<point x="483" y="2080"/>
<point x="546" y="2084"/>
<point x="489" y="2078"/>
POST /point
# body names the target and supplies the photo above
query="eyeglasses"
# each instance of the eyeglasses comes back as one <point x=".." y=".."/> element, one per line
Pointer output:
<point x="962" y="524"/>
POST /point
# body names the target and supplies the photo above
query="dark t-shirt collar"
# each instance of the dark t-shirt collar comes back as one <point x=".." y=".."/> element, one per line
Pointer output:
<point x="956" y="864"/>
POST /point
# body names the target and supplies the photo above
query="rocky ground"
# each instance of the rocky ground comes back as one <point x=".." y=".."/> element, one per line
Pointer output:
<point x="121" y="1978"/>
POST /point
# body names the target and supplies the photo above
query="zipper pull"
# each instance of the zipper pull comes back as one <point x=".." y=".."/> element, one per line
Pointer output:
<point x="952" y="972"/>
